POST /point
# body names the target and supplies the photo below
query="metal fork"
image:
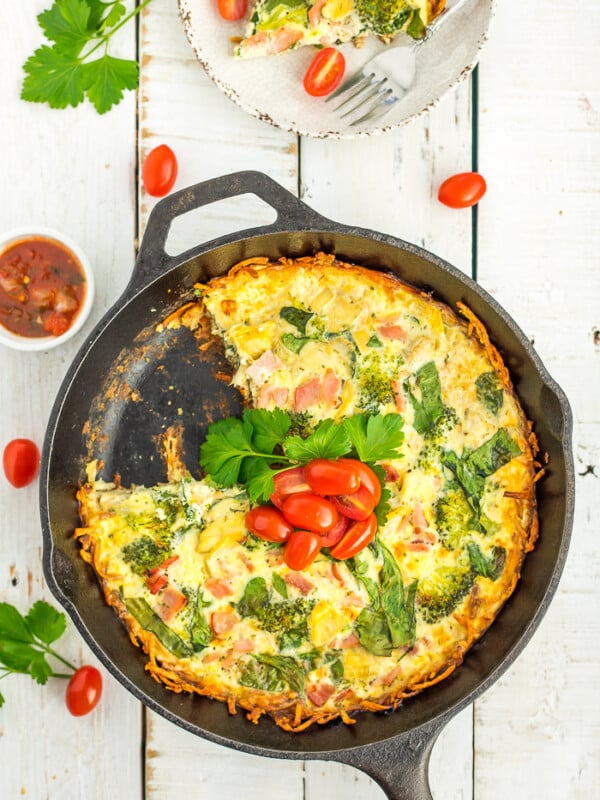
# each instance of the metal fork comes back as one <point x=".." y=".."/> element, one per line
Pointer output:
<point x="384" y="79"/>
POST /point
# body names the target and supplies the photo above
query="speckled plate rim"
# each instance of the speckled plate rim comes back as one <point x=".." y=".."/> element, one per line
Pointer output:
<point x="186" y="14"/>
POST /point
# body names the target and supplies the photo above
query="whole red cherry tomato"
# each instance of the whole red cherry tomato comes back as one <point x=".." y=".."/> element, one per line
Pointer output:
<point x="290" y="481"/>
<point x="232" y="9"/>
<point x="462" y="190"/>
<point x="332" y="477"/>
<point x="309" y="511"/>
<point x="301" y="549"/>
<point x="159" y="171"/>
<point x="325" y="72"/>
<point x="358" y="535"/>
<point x="83" y="691"/>
<point x="21" y="461"/>
<point x="268" y="523"/>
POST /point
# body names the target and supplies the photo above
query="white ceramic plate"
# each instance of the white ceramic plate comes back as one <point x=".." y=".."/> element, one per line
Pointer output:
<point x="271" y="88"/>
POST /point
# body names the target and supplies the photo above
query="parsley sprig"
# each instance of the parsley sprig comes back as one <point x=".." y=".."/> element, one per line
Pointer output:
<point x="77" y="63"/>
<point x="25" y="642"/>
<point x="253" y="448"/>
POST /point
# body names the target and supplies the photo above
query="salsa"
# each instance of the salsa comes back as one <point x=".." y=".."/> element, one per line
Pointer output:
<point x="42" y="287"/>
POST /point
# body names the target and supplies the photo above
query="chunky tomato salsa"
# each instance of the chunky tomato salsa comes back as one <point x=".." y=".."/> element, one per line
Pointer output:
<point x="42" y="287"/>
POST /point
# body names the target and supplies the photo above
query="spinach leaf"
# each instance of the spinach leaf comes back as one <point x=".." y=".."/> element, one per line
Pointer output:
<point x="297" y="317"/>
<point x="294" y="343"/>
<point x="486" y="567"/>
<point x="395" y="603"/>
<point x="489" y="392"/>
<point x="254" y="599"/>
<point x="274" y="674"/>
<point x="279" y="585"/>
<point x="142" y="612"/>
<point x="429" y="409"/>
<point x="200" y="632"/>
<point x="374" y="632"/>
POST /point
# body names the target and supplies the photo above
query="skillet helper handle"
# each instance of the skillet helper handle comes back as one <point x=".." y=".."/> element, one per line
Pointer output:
<point x="153" y="260"/>
<point x="399" y="766"/>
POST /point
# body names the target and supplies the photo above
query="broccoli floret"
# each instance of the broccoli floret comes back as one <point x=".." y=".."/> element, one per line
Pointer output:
<point x="440" y="592"/>
<point x="454" y="517"/>
<point x="375" y="381"/>
<point x="145" y="553"/>
<point x="301" y="424"/>
<point x="387" y="17"/>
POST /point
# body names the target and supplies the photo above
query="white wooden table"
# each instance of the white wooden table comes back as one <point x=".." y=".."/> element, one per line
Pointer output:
<point x="530" y="121"/>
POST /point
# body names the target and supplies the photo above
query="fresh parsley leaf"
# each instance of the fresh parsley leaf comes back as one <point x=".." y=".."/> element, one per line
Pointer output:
<point x="227" y="444"/>
<point x="328" y="440"/>
<point x="270" y="427"/>
<point x="40" y="670"/>
<point x="258" y="477"/>
<point x="64" y="73"/>
<point x="106" y="80"/>
<point x="13" y="626"/>
<point x="67" y="24"/>
<point x="16" y="656"/>
<point x="375" y="437"/>
<point x="45" y="622"/>
<point x="53" y="77"/>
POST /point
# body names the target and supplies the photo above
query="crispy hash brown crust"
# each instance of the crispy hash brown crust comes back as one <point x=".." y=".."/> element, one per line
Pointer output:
<point x="308" y="655"/>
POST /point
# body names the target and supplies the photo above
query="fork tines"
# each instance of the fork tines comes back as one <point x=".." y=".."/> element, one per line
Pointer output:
<point x="372" y="94"/>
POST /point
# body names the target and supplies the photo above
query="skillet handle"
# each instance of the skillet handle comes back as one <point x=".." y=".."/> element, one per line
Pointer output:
<point x="153" y="261"/>
<point x="400" y="766"/>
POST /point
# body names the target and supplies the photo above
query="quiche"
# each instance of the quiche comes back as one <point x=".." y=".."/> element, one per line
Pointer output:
<point x="218" y="610"/>
<point x="278" y="25"/>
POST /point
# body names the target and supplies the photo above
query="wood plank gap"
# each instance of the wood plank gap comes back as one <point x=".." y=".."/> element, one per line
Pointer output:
<point x="474" y="164"/>
<point x="474" y="721"/>
<point x="143" y="749"/>
<point x="299" y="168"/>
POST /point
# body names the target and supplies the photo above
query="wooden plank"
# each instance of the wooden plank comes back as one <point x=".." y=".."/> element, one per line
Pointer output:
<point x="389" y="183"/>
<point x="59" y="169"/>
<point x="537" y="730"/>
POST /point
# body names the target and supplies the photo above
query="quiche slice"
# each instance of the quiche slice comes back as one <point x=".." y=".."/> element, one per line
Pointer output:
<point x="278" y="25"/>
<point x="218" y="611"/>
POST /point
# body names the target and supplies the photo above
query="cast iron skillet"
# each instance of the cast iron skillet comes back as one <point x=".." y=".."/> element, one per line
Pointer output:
<point x="129" y="382"/>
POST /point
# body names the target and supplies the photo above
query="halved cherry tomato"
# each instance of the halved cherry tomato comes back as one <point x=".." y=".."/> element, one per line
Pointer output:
<point x="83" y="691"/>
<point x="325" y="72"/>
<point x="332" y="537"/>
<point x="232" y="9"/>
<point x="301" y="549"/>
<point x="21" y="461"/>
<point x="159" y="171"/>
<point x="462" y="190"/>
<point x="290" y="481"/>
<point x="310" y="511"/>
<point x="358" y="535"/>
<point x="357" y="505"/>
<point x="268" y="523"/>
<point x="332" y="477"/>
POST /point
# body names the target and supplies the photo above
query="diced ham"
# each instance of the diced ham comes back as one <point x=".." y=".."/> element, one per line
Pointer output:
<point x="171" y="600"/>
<point x="399" y="398"/>
<point x="223" y="621"/>
<point x="353" y="600"/>
<point x="391" y="473"/>
<point x="418" y="547"/>
<point x="218" y="587"/>
<point x="262" y="369"/>
<point x="314" y="14"/>
<point x="243" y="646"/>
<point x="418" y="519"/>
<point x="337" y="573"/>
<point x="298" y="581"/>
<point x="351" y="640"/>
<point x="272" y="396"/>
<point x="392" y="331"/>
<point x="320" y="694"/>
<point x="283" y="39"/>
<point x="330" y="388"/>
<point x="391" y="676"/>
<point x="307" y="394"/>
<point x="210" y="657"/>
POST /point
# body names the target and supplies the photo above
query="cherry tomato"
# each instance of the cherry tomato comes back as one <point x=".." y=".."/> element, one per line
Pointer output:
<point x="290" y="481"/>
<point x="325" y="72"/>
<point x="358" y="535"/>
<point x="462" y="190"/>
<point x="83" y="691"/>
<point x="232" y="9"/>
<point x="368" y="478"/>
<point x="301" y="549"/>
<point x="159" y="171"/>
<point x="332" y="537"/>
<point x="268" y="523"/>
<point x="309" y="511"/>
<point x="357" y="505"/>
<point x="21" y="461"/>
<point x="332" y="477"/>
